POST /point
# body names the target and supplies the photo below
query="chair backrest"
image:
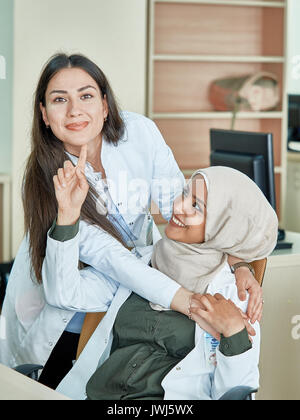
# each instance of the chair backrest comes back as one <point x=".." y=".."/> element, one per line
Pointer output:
<point x="260" y="269"/>
<point x="91" y="322"/>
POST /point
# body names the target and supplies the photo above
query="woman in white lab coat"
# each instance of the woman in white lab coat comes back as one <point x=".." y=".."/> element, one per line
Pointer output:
<point x="144" y="341"/>
<point x="129" y="165"/>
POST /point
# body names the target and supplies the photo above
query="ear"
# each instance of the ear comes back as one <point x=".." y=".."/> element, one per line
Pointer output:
<point x="105" y="106"/>
<point x="44" y="114"/>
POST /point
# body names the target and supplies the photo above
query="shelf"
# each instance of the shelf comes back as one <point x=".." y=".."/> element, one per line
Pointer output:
<point x="4" y="178"/>
<point x="246" y="3"/>
<point x="189" y="172"/>
<point x="195" y="42"/>
<point x="293" y="156"/>
<point x="217" y="58"/>
<point x="217" y="115"/>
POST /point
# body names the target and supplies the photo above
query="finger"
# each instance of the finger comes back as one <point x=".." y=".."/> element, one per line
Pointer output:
<point x="255" y="300"/>
<point x="56" y="182"/>
<point x="207" y="301"/>
<point x="241" y="289"/>
<point x="199" y="312"/>
<point x="210" y="297"/>
<point x="196" y="302"/>
<point x="259" y="318"/>
<point x="250" y="329"/>
<point x="258" y="302"/>
<point x="82" y="157"/>
<point x="197" y="297"/>
<point x="243" y="315"/>
<point x="61" y="177"/>
<point x="69" y="169"/>
<point x="83" y="184"/>
<point x="218" y="296"/>
<point x="257" y="314"/>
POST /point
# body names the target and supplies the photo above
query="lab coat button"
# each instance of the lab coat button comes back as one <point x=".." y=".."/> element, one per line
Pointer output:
<point x="178" y="368"/>
<point x="105" y="341"/>
<point x="50" y="343"/>
<point x="65" y="320"/>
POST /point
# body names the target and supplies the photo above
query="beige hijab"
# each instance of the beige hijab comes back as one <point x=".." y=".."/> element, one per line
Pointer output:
<point x="239" y="222"/>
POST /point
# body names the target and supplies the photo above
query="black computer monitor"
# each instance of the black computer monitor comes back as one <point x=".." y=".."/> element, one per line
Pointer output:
<point x="248" y="152"/>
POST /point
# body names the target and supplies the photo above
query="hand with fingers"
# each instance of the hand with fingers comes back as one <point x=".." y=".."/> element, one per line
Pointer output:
<point x="221" y="314"/>
<point x="246" y="282"/>
<point x="71" y="188"/>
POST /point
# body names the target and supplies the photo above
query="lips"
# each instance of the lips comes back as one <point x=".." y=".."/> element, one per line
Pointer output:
<point x="176" y="222"/>
<point x="77" y="126"/>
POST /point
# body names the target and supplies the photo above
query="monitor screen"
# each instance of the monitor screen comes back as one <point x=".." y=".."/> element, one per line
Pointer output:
<point x="248" y="152"/>
<point x="294" y="117"/>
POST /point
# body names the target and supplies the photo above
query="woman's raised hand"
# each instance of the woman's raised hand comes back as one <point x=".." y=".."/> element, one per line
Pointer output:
<point x="71" y="188"/>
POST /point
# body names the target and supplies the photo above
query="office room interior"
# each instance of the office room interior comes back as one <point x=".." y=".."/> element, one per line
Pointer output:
<point x="163" y="59"/>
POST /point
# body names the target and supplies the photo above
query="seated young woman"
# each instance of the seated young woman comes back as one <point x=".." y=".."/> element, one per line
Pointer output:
<point x="158" y="353"/>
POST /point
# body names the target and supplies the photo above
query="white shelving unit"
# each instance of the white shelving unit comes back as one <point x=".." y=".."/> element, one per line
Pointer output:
<point x="191" y="43"/>
<point x="5" y="222"/>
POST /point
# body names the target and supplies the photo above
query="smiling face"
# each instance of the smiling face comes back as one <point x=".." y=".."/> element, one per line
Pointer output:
<point x="74" y="108"/>
<point x="187" y="223"/>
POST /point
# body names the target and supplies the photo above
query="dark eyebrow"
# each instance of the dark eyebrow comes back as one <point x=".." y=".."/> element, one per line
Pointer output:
<point x="78" y="90"/>
<point x="58" y="91"/>
<point x="86" y="87"/>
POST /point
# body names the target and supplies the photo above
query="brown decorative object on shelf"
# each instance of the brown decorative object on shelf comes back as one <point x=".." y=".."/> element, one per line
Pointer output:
<point x="193" y="43"/>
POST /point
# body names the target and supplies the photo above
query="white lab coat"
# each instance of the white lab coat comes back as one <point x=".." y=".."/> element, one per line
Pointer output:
<point x="193" y="378"/>
<point x="34" y="316"/>
<point x="30" y="324"/>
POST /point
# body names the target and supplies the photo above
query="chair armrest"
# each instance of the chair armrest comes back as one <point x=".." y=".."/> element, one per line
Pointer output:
<point x="238" y="393"/>
<point x="29" y="370"/>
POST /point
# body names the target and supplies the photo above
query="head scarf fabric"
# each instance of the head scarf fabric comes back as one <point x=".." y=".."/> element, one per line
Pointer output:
<point x="239" y="222"/>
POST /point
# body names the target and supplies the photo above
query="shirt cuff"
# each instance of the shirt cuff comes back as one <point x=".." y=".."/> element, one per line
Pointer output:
<point x="236" y="344"/>
<point x="63" y="233"/>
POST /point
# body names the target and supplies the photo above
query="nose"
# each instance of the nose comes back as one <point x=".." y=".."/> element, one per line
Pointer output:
<point x="183" y="205"/>
<point x="74" y="109"/>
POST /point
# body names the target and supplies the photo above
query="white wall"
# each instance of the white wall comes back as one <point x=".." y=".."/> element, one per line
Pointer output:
<point x="6" y="75"/>
<point x="110" y="32"/>
<point x="293" y="47"/>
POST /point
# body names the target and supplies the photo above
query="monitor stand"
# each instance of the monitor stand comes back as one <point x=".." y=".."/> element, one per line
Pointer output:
<point x="281" y="244"/>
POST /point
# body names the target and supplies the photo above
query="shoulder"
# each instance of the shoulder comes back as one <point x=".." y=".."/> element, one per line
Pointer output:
<point x="137" y="122"/>
<point x="134" y="118"/>
<point x="140" y="130"/>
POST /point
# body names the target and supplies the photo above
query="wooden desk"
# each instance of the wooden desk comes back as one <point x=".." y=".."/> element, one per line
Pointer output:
<point x="280" y="345"/>
<point x="14" y="386"/>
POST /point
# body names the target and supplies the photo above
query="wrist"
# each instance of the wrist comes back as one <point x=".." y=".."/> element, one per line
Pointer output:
<point x="233" y="328"/>
<point x="67" y="217"/>
<point x="242" y="266"/>
<point x="182" y="301"/>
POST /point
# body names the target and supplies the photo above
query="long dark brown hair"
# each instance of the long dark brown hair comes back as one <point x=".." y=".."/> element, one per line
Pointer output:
<point x="48" y="155"/>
